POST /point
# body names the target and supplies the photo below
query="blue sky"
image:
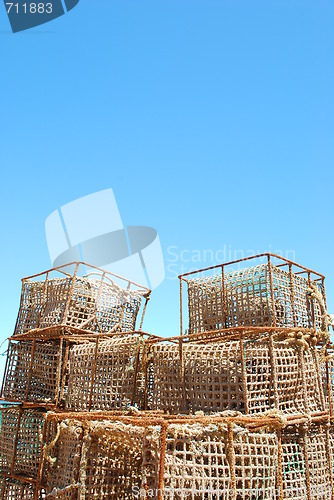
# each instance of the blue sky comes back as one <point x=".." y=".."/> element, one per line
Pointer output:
<point x="212" y="121"/>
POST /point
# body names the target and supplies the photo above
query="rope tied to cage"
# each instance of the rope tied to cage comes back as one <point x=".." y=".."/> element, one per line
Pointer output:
<point x="48" y="447"/>
<point x="298" y="339"/>
<point x="230" y="455"/>
<point x="58" y="493"/>
<point x="139" y="346"/>
<point x="315" y="294"/>
<point x="276" y="419"/>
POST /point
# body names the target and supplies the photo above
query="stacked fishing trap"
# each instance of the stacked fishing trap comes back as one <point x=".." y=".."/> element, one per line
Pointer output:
<point x="239" y="406"/>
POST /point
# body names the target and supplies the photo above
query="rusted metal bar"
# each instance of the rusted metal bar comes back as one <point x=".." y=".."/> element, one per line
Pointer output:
<point x="231" y="460"/>
<point x="135" y="376"/>
<point x="280" y="467"/>
<point x="182" y="377"/>
<point x="59" y="370"/>
<point x="292" y="295"/>
<point x="224" y="297"/>
<point x="93" y="374"/>
<point x="244" y="374"/>
<point x="163" y="436"/>
<point x="30" y="369"/>
<point x="287" y="261"/>
<point x="90" y="266"/>
<point x="312" y="302"/>
<point x="181" y="308"/>
<point x="6" y="367"/>
<point x="144" y="311"/>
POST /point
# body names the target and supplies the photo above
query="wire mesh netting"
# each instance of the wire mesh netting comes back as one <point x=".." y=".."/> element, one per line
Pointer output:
<point x="198" y="463"/>
<point x="244" y="298"/>
<point x="99" y="460"/>
<point x="33" y="371"/>
<point x="217" y="377"/>
<point x="20" y="446"/>
<point x="11" y="489"/>
<point x="61" y="470"/>
<point x="122" y="461"/>
<point x="107" y="375"/>
<point x="305" y="449"/>
<point x="327" y="370"/>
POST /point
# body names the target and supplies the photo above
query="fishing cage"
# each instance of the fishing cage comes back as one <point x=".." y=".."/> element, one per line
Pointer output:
<point x="246" y="371"/>
<point x="327" y="371"/>
<point x="33" y="371"/>
<point x="18" y="489"/>
<point x="20" y="445"/>
<point x="95" y="456"/>
<point x="307" y="470"/>
<point x="273" y="292"/>
<point x="77" y="372"/>
<point x="249" y="378"/>
<point x="107" y="374"/>
<point x="81" y="297"/>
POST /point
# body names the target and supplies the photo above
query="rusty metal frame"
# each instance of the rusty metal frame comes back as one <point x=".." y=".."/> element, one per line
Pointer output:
<point x="282" y="261"/>
<point x="147" y="418"/>
<point x="67" y="337"/>
<point x="103" y="274"/>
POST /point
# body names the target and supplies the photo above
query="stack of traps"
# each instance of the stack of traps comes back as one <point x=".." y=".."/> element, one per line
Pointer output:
<point x="239" y="406"/>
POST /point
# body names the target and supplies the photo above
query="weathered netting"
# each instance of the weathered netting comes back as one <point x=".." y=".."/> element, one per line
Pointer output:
<point x="62" y="465"/>
<point x="293" y="464"/>
<point x="331" y="444"/>
<point x="198" y="463"/>
<point x="304" y="448"/>
<point x="80" y="302"/>
<point x="111" y="461"/>
<point x="121" y="461"/>
<point x="33" y="371"/>
<point x="106" y="376"/>
<point x="248" y="300"/>
<point x="327" y="369"/>
<point x="317" y="452"/>
<point x="19" y="441"/>
<point x="213" y="378"/>
<point x="11" y="489"/>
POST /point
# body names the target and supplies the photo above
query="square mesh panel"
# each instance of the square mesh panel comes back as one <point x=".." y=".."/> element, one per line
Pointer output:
<point x="112" y="386"/>
<point x="245" y="299"/>
<point x="197" y="463"/>
<point x="213" y="378"/>
<point x="44" y="376"/>
<point x="19" y="441"/>
<point x="112" y="460"/>
<point x="299" y="445"/>
<point x="80" y="302"/>
<point x="11" y="489"/>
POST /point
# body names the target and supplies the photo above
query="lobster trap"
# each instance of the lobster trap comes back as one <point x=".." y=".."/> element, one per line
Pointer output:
<point x="253" y="374"/>
<point x="18" y="489"/>
<point x="33" y="371"/>
<point x="20" y="446"/>
<point x="117" y="457"/>
<point x="80" y="297"/>
<point x="106" y="374"/>
<point x="274" y="292"/>
<point x="307" y="461"/>
<point x="77" y="372"/>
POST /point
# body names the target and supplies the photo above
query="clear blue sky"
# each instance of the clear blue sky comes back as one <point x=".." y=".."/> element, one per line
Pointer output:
<point x="212" y="121"/>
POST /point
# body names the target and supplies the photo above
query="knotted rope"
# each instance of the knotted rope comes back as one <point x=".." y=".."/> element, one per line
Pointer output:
<point x="315" y="294"/>
<point x="48" y="447"/>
